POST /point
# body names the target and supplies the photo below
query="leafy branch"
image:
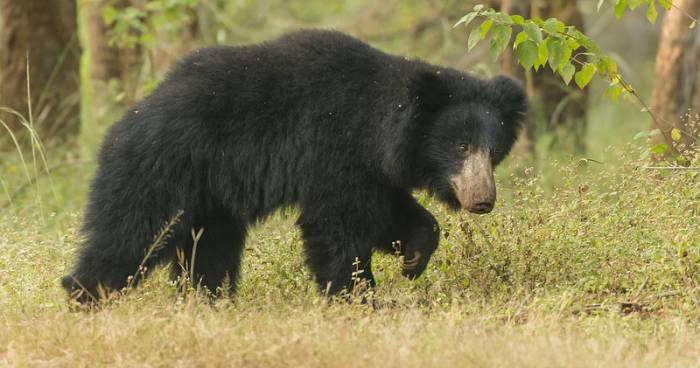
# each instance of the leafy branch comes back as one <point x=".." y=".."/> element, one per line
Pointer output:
<point x="546" y="42"/>
<point x="131" y="26"/>
<point x="566" y="50"/>
<point x="652" y="14"/>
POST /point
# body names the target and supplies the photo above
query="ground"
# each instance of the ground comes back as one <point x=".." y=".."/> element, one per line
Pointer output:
<point x="600" y="269"/>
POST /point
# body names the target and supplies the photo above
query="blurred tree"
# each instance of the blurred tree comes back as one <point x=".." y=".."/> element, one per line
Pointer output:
<point x="174" y="43"/>
<point x="42" y="34"/>
<point x="130" y="46"/>
<point x="677" y="90"/>
<point x="557" y="108"/>
<point x="110" y="67"/>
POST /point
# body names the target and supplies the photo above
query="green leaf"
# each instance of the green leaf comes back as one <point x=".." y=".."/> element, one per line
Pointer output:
<point x="633" y="4"/>
<point x="154" y="6"/>
<point x="520" y="38"/>
<point x="533" y="31"/>
<point x="499" y="39"/>
<point x="582" y="39"/>
<point x="567" y="54"/>
<point x="567" y="72"/>
<point x="556" y="49"/>
<point x="692" y="24"/>
<point x="503" y="18"/>
<point x="485" y="27"/>
<point x="474" y="38"/>
<point x="584" y="76"/>
<point x="527" y="54"/>
<point x="542" y="53"/>
<point x="666" y="4"/>
<point x="517" y="19"/>
<point x="158" y="21"/>
<point x="109" y="14"/>
<point x="651" y="11"/>
<point x="572" y="44"/>
<point x="675" y="134"/>
<point x="659" y="149"/>
<point x="608" y="65"/>
<point x="466" y="19"/>
<point x="600" y="4"/>
<point x="681" y="161"/>
<point x="646" y="134"/>
<point x="615" y="92"/>
<point x="553" y="26"/>
<point x="620" y="8"/>
<point x="489" y="12"/>
<point x="478" y="7"/>
<point x="147" y="39"/>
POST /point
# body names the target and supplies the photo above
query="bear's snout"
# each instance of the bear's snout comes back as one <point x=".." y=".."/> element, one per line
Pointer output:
<point x="474" y="185"/>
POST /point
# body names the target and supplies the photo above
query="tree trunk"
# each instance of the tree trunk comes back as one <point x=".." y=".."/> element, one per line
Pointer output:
<point x="174" y="45"/>
<point x="45" y="32"/>
<point x="677" y="91"/>
<point x="113" y="72"/>
<point x="511" y="68"/>
<point x="117" y="74"/>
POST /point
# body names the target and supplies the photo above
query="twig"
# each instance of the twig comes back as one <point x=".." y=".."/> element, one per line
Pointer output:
<point x="665" y="294"/>
<point x="195" y="241"/>
<point x="641" y="287"/>
<point x="157" y="245"/>
<point x="464" y="226"/>
<point x="483" y="233"/>
<point x="637" y="303"/>
<point x="671" y="168"/>
<point x="684" y="12"/>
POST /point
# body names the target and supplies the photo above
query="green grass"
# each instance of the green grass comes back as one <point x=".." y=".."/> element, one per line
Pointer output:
<point x="581" y="264"/>
<point x="598" y="267"/>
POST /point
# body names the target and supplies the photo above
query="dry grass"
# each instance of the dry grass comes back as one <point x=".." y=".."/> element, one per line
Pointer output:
<point x="156" y="334"/>
<point x="600" y="269"/>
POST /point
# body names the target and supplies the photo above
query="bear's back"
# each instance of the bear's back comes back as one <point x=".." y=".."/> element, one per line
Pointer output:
<point x="302" y="56"/>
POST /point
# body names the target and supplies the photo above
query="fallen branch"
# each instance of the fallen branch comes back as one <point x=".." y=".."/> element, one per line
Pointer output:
<point x="671" y="168"/>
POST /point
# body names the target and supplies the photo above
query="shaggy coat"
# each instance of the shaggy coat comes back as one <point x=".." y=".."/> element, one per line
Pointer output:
<point x="314" y="119"/>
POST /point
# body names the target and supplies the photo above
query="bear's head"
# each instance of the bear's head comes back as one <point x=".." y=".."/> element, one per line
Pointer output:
<point x="468" y="126"/>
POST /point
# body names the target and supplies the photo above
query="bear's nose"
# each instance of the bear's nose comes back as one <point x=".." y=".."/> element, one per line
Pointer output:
<point x="481" y="207"/>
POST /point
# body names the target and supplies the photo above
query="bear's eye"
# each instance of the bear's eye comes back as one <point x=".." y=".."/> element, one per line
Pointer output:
<point x="463" y="148"/>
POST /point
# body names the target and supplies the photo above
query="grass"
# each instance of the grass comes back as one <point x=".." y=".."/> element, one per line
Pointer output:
<point x="598" y="267"/>
<point x="196" y="334"/>
<point x="581" y="264"/>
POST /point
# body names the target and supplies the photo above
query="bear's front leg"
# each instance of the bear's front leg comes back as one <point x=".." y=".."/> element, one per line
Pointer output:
<point x="419" y="246"/>
<point x="338" y="254"/>
<point x="413" y="233"/>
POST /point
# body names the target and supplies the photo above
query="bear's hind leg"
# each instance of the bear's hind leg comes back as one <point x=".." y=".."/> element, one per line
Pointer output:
<point x="217" y="254"/>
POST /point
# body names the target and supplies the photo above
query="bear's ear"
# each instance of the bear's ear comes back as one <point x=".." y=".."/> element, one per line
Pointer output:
<point x="510" y="97"/>
<point x="429" y="91"/>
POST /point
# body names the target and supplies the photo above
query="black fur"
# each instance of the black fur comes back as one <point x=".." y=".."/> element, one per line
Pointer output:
<point x="314" y="119"/>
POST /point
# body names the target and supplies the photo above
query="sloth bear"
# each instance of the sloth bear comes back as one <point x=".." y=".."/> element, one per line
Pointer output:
<point x="314" y="119"/>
